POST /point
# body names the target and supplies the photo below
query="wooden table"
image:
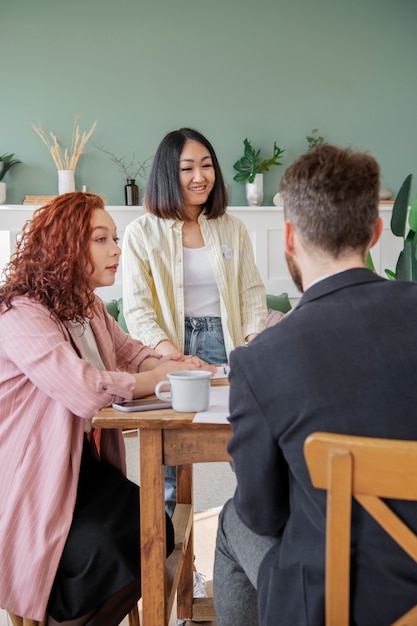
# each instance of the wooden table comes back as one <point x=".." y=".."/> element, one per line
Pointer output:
<point x="169" y="438"/>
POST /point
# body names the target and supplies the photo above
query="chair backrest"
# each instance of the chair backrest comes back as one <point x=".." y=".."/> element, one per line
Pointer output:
<point x="115" y="309"/>
<point x="367" y="469"/>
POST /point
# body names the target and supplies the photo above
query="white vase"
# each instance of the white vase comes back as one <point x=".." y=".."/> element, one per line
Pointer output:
<point x="66" y="181"/>
<point x="2" y="193"/>
<point x="277" y="200"/>
<point x="255" y="191"/>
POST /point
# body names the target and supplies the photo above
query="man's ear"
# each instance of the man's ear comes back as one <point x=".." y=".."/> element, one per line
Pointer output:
<point x="289" y="238"/>
<point x="377" y="231"/>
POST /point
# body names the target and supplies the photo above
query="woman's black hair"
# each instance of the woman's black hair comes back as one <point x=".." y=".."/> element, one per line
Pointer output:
<point x="163" y="196"/>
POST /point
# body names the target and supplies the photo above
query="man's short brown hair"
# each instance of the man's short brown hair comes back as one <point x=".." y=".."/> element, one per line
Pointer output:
<point x="331" y="195"/>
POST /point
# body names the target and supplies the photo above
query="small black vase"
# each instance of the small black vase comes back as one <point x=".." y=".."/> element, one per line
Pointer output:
<point x="131" y="193"/>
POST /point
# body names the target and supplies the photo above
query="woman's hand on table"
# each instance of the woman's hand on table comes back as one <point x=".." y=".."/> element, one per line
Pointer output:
<point x="155" y="370"/>
<point x="193" y="362"/>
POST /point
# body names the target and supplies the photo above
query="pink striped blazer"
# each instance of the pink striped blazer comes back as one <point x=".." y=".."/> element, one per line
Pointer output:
<point x="46" y="392"/>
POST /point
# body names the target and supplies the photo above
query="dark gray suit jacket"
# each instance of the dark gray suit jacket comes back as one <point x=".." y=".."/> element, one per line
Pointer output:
<point x="344" y="360"/>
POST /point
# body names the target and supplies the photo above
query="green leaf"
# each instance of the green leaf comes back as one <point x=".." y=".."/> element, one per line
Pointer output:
<point x="313" y="140"/>
<point x="267" y="163"/>
<point x="406" y="267"/>
<point x="400" y="208"/>
<point x="410" y="236"/>
<point x="249" y="165"/>
<point x="390" y="274"/>
<point x="6" y="162"/>
<point x="407" y="263"/>
<point x="369" y="262"/>
<point x="412" y="218"/>
<point x="243" y="177"/>
<point x="250" y="153"/>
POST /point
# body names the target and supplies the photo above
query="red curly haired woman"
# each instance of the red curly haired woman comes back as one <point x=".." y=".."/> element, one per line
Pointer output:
<point x="69" y="517"/>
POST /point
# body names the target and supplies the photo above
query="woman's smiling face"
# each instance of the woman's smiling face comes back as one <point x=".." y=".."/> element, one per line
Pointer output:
<point x="197" y="175"/>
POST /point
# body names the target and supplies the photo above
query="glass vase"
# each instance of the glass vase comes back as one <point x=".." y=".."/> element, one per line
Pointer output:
<point x="131" y="193"/>
<point x="255" y="191"/>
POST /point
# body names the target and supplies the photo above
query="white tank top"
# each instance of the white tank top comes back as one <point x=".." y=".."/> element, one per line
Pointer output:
<point x="201" y="295"/>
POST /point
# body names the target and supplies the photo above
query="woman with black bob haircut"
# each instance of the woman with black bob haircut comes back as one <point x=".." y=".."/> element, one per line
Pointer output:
<point x="163" y="196"/>
<point x="190" y="283"/>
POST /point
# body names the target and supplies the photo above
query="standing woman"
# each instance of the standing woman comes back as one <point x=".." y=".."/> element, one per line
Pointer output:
<point x="190" y="282"/>
<point x="189" y="274"/>
<point x="69" y="518"/>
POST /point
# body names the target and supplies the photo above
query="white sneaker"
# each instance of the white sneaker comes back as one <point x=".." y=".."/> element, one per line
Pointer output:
<point x="199" y="586"/>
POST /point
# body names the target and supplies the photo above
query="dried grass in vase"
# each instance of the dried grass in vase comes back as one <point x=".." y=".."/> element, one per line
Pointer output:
<point x="66" y="160"/>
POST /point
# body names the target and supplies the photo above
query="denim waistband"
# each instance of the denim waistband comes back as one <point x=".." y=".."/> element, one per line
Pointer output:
<point x="203" y="322"/>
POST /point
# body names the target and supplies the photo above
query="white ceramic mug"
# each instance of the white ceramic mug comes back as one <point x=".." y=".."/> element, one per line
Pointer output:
<point x="189" y="390"/>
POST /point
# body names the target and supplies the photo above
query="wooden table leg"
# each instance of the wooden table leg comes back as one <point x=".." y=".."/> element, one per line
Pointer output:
<point x="152" y="521"/>
<point x="185" y="584"/>
<point x="188" y="608"/>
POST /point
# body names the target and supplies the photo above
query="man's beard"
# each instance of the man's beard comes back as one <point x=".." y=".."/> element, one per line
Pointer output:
<point x="295" y="272"/>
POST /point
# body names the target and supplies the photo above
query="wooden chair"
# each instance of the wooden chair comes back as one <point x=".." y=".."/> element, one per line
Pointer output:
<point x="367" y="469"/>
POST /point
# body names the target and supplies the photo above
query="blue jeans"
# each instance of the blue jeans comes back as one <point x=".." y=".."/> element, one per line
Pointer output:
<point x="203" y="338"/>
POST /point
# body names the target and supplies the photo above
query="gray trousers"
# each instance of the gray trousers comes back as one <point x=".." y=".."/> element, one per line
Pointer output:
<point x="239" y="553"/>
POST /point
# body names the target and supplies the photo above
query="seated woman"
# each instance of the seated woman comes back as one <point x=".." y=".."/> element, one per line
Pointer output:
<point x="69" y="518"/>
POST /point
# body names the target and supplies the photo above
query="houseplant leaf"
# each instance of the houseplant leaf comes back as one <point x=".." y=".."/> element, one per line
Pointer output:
<point x="267" y="163"/>
<point x="400" y="208"/>
<point x="369" y="262"/>
<point x="390" y="274"/>
<point x="412" y="218"/>
<point x="247" y="166"/>
<point x="250" y="164"/>
<point x="6" y="162"/>
<point x="407" y="263"/>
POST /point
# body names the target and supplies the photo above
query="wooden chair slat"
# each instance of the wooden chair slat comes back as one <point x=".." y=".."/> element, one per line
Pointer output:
<point x="368" y="469"/>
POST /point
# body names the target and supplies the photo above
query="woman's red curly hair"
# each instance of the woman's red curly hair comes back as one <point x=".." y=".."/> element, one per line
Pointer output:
<point x="52" y="263"/>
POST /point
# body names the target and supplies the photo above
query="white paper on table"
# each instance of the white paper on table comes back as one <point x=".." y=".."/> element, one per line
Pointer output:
<point x="222" y="371"/>
<point x="218" y="410"/>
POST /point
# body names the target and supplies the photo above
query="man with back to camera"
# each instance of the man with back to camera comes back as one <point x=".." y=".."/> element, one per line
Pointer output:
<point x="344" y="361"/>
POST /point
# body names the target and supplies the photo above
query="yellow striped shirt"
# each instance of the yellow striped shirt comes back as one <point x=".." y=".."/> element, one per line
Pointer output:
<point x="153" y="289"/>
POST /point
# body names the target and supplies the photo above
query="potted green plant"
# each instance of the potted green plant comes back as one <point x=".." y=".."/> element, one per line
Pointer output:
<point x="250" y="170"/>
<point x="406" y="267"/>
<point x="314" y="139"/>
<point x="6" y="162"/>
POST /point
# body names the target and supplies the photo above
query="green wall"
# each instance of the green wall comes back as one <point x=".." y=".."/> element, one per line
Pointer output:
<point x="268" y="70"/>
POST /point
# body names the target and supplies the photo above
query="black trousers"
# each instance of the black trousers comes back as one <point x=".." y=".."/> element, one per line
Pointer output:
<point x="102" y="551"/>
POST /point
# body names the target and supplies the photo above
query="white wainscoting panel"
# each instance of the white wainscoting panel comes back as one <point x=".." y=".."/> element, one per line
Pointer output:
<point x="265" y="227"/>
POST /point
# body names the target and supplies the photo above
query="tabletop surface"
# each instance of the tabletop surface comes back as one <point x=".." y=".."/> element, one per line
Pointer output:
<point x="157" y="418"/>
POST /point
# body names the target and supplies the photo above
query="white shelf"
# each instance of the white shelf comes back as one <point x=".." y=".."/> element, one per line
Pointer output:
<point x="264" y="224"/>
